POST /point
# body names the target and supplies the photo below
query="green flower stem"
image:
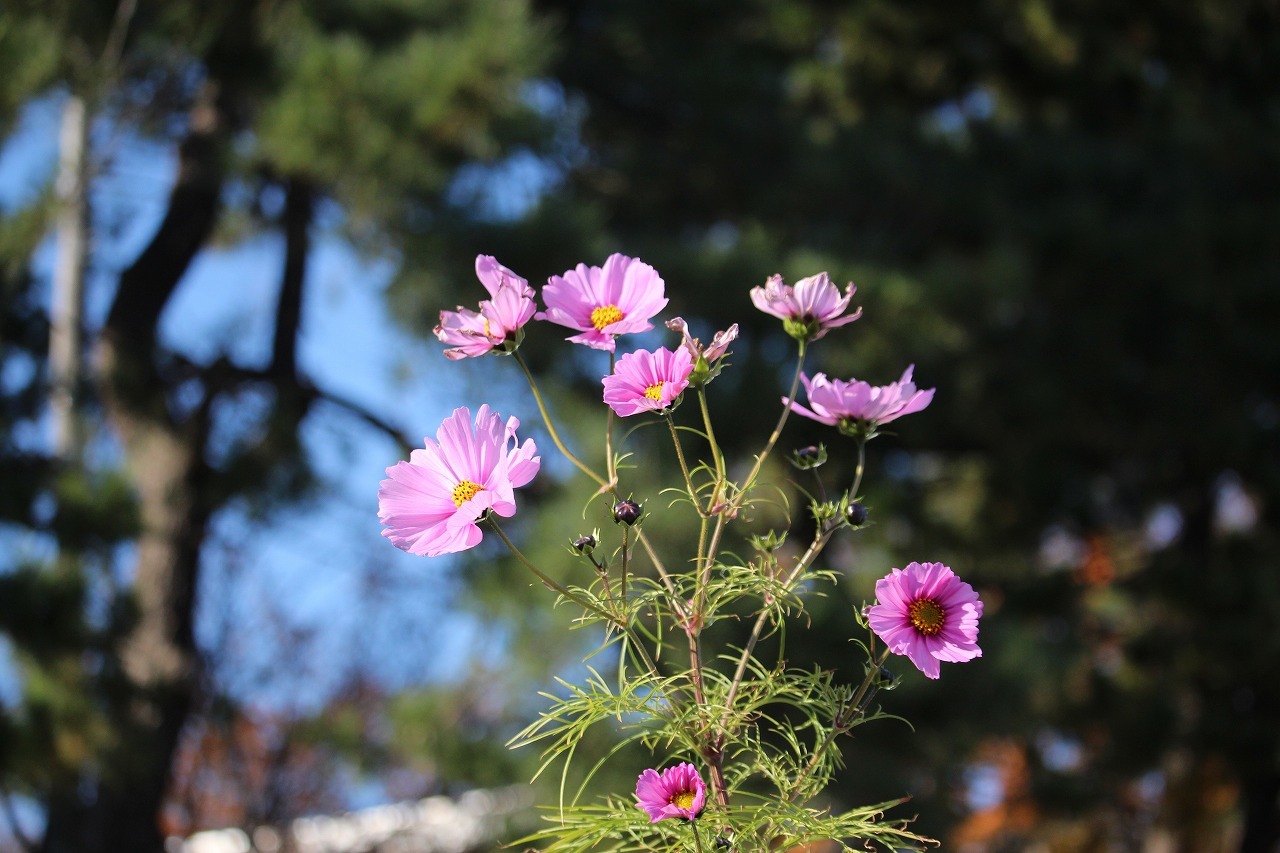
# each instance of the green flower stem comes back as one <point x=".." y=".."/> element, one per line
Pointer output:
<point x="716" y="456"/>
<point x="555" y="436"/>
<point x="697" y="836"/>
<point x="608" y="433"/>
<point x="609" y="485"/>
<point x="810" y="554"/>
<point x="775" y="435"/>
<point x="857" y="473"/>
<point x="626" y="558"/>
<point x="684" y="468"/>
<point x="840" y="725"/>
<point x="575" y="598"/>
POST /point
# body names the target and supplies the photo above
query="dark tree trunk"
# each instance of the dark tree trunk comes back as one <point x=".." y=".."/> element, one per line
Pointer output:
<point x="155" y="674"/>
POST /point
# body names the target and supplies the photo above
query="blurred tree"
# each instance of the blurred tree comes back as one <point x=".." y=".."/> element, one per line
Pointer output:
<point x="275" y="110"/>
<point x="1062" y="214"/>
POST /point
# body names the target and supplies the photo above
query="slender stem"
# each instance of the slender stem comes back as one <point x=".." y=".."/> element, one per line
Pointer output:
<point x="841" y="725"/>
<point x="684" y="468"/>
<point x="857" y="474"/>
<point x="811" y="553"/>
<point x="626" y="558"/>
<point x="555" y="436"/>
<point x="608" y="434"/>
<point x="608" y="591"/>
<point x="697" y="836"/>
<point x="609" y="485"/>
<point x="777" y="431"/>
<point x="715" y="448"/>
<point x="575" y="598"/>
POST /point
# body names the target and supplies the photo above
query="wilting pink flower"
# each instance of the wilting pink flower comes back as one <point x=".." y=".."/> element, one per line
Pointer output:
<point x="678" y="792"/>
<point x="928" y="614"/>
<point x="855" y="406"/>
<point x="706" y="360"/>
<point x="645" y="381"/>
<point x="431" y="503"/>
<point x="810" y="308"/>
<point x="715" y="350"/>
<point x="499" y="325"/>
<point x="604" y="302"/>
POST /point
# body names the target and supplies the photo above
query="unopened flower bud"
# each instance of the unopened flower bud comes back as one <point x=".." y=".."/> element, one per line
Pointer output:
<point x="856" y="514"/>
<point x="807" y="458"/>
<point x="585" y="544"/>
<point x="627" y="511"/>
<point x="768" y="543"/>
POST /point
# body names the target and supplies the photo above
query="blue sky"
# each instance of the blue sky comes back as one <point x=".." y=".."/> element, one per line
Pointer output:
<point x="320" y="570"/>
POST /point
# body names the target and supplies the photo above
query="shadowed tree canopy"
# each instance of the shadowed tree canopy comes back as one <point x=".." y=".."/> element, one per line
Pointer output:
<point x="1061" y="214"/>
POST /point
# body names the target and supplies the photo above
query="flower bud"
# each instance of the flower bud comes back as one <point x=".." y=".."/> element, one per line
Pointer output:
<point x="856" y="514"/>
<point x="585" y="544"/>
<point x="627" y="511"/>
<point x="768" y="543"/>
<point x="807" y="458"/>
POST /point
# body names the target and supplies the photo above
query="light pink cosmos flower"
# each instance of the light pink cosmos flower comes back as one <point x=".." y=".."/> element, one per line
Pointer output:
<point x="604" y="302"/>
<point x="855" y="406"/>
<point x="430" y="504"/>
<point x="810" y="308"/>
<point x="928" y="614"/>
<point x="678" y="792"/>
<point x="644" y="381"/>
<point x="499" y="325"/>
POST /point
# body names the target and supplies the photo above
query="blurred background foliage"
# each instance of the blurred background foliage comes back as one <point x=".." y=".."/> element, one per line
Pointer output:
<point x="1062" y="214"/>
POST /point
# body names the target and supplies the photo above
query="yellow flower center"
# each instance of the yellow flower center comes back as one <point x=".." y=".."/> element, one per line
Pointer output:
<point x="926" y="616"/>
<point x="605" y="315"/>
<point x="465" y="491"/>
<point x="654" y="392"/>
<point x="683" y="800"/>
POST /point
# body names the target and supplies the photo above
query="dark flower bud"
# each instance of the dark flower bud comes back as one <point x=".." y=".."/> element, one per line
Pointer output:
<point x="856" y="514"/>
<point x="807" y="458"/>
<point x="584" y="544"/>
<point x="628" y="512"/>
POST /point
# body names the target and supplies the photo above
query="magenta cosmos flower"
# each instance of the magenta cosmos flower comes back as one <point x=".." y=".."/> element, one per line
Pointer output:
<point x="678" y="792"/>
<point x="857" y="407"/>
<point x="604" y="302"/>
<point x="928" y="614"/>
<point x="810" y="308"/>
<point x="645" y="381"/>
<point x="499" y="324"/>
<point x="430" y="504"/>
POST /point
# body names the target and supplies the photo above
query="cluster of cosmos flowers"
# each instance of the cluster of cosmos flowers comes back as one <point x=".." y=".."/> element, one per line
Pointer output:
<point x="432" y="503"/>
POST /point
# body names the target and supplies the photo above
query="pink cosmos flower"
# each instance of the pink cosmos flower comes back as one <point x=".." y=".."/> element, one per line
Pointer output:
<point x="430" y="504"/>
<point x="604" y="302"/>
<point x="499" y="325"/>
<point x="857" y="406"/>
<point x="645" y="381"/>
<point x="928" y="614"/>
<point x="678" y="792"/>
<point x="809" y="309"/>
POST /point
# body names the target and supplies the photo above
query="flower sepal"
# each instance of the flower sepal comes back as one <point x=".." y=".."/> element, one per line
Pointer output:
<point x="808" y="458"/>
